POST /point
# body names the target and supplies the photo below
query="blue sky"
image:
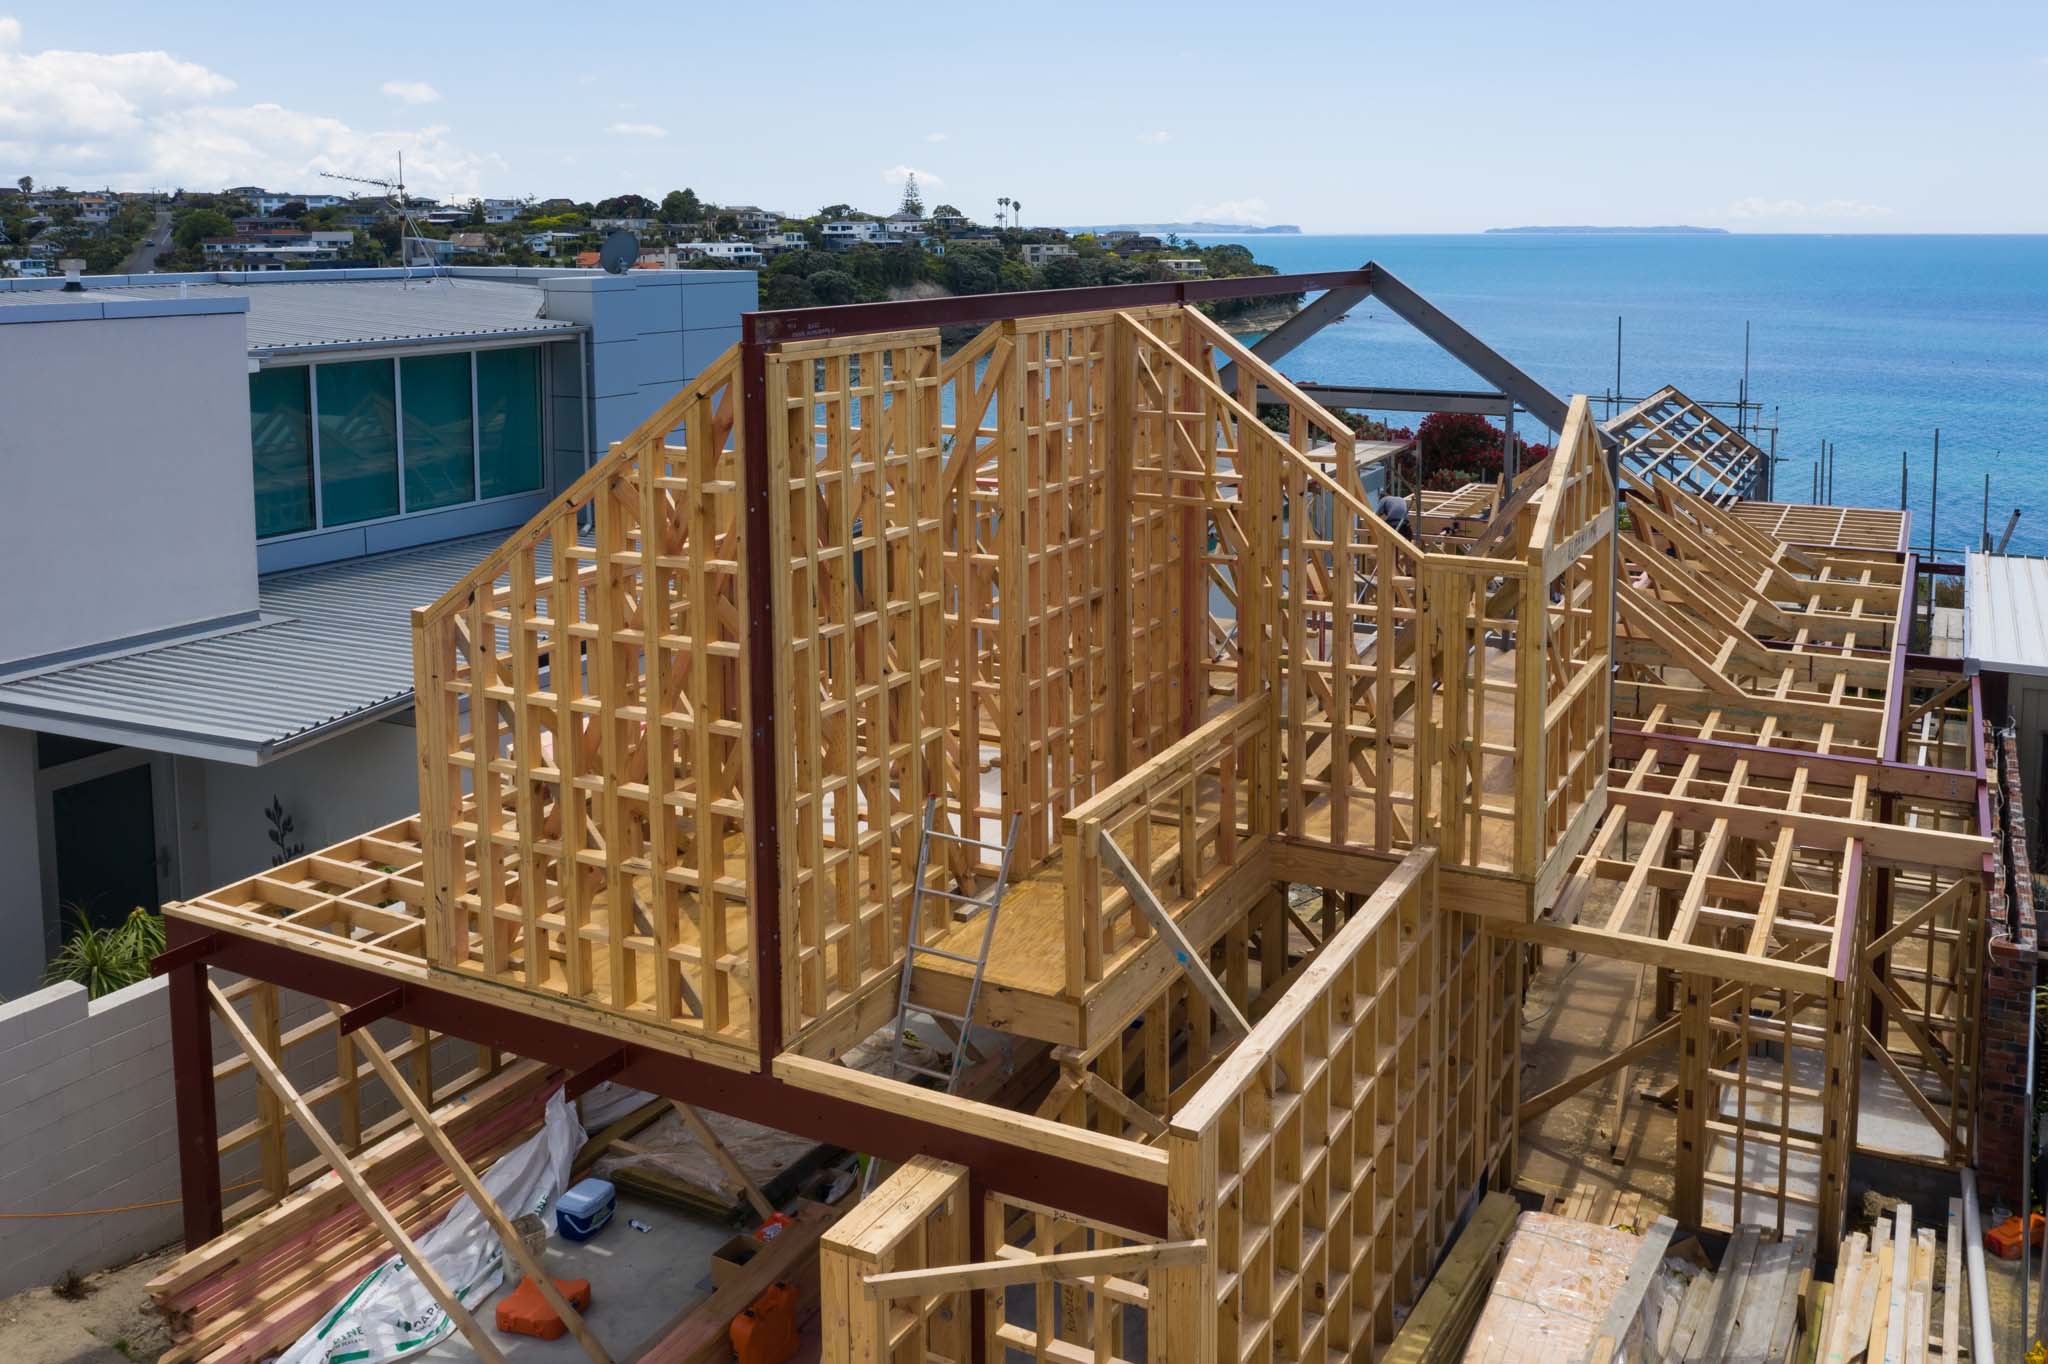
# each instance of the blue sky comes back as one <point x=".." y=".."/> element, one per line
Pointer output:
<point x="1339" y="117"/>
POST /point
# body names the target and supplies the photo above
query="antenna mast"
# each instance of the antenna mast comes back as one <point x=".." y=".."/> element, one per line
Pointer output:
<point x="392" y="188"/>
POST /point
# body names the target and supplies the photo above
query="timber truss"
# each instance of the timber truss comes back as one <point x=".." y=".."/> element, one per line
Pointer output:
<point x="1101" y="571"/>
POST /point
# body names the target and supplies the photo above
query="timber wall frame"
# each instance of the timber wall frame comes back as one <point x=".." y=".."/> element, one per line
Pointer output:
<point x="675" y="735"/>
<point x="840" y="574"/>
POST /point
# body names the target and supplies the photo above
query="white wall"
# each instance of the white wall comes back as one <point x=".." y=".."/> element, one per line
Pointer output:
<point x="124" y="451"/>
<point x="90" y="1122"/>
<point x="346" y="786"/>
<point x="21" y="880"/>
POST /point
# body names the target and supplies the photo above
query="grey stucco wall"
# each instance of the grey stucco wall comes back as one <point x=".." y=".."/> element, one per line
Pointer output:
<point x="125" y="454"/>
<point x="346" y="786"/>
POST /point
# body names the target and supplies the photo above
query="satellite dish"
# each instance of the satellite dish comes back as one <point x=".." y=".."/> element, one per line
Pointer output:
<point x="620" y="252"/>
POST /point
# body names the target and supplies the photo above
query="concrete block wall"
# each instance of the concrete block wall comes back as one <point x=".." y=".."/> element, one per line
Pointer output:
<point x="88" y="1121"/>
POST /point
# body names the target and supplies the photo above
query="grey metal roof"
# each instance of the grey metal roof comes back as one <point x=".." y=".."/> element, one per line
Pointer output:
<point x="2005" y="614"/>
<point x="332" y="647"/>
<point x="292" y="316"/>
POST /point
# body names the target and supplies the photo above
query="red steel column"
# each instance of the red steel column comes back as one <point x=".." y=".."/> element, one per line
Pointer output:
<point x="192" y="1082"/>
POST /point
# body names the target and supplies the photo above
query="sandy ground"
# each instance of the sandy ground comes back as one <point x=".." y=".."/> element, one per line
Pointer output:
<point x="112" y="1321"/>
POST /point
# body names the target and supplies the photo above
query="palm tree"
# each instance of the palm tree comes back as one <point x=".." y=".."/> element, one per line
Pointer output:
<point x="1016" y="213"/>
<point x="1003" y="204"/>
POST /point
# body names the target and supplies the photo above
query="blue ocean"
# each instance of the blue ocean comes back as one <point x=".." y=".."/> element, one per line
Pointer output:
<point x="1869" y="342"/>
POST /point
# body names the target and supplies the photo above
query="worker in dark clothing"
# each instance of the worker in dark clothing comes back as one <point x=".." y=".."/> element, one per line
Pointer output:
<point x="1394" y="511"/>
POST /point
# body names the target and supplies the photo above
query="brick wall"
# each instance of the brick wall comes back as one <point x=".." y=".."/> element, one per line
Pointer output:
<point x="2009" y="980"/>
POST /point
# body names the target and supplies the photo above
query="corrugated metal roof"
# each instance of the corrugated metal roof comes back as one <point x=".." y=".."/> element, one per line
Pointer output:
<point x="349" y="312"/>
<point x="2005" y="614"/>
<point x="333" y="645"/>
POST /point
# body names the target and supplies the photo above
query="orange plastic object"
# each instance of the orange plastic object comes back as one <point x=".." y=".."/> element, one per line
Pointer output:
<point x="2003" y="1240"/>
<point x="525" y="1312"/>
<point x="766" y="1332"/>
<point x="772" y="1228"/>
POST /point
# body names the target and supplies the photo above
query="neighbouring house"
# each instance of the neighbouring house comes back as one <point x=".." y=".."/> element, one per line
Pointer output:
<point x="27" y="267"/>
<point x="905" y="226"/>
<point x="268" y="201"/>
<point x="500" y="210"/>
<point x="469" y="243"/>
<point x="1187" y="267"/>
<point x="842" y="233"/>
<point x="739" y="253"/>
<point x="289" y="463"/>
<point x="950" y="222"/>
<point x="426" y="250"/>
<point x="774" y="243"/>
<point x="625" y="224"/>
<point x="752" y="219"/>
<point x="1038" y="253"/>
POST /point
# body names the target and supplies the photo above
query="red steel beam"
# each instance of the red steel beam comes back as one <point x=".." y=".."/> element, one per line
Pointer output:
<point x="1007" y="1167"/>
<point x="852" y="319"/>
<point x="192" y="1067"/>
<point x="764" y="864"/>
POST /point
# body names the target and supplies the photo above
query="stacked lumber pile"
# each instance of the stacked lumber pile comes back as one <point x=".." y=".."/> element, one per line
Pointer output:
<point x="252" y="1291"/>
<point x="1882" y="1303"/>
<point x="1436" y="1331"/>
<point x="1746" y="1312"/>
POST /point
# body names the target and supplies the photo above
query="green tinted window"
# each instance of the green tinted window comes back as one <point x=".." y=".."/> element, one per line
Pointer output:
<point x="281" y="444"/>
<point x="508" y="408"/>
<point x="440" y="452"/>
<point x="358" y="442"/>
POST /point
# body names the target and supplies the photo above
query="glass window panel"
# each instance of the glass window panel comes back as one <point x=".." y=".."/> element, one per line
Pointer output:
<point x="358" y="442"/>
<point x="281" y="446"/>
<point x="508" y="409"/>
<point x="440" y="451"/>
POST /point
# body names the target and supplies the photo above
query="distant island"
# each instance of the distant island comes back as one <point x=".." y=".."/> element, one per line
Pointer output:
<point x="1183" y="229"/>
<point x="1680" y="231"/>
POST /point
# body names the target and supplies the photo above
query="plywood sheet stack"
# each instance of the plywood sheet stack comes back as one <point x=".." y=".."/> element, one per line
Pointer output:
<point x="1554" y="1291"/>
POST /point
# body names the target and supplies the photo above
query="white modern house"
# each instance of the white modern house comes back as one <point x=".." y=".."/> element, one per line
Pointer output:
<point x="842" y="233"/>
<point x="228" y="491"/>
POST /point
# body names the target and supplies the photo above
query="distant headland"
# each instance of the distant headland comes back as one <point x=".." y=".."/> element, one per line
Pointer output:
<point x="1677" y="231"/>
<point x="1182" y="229"/>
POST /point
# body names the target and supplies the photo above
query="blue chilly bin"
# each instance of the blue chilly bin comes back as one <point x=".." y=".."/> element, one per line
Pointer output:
<point x="584" y="1209"/>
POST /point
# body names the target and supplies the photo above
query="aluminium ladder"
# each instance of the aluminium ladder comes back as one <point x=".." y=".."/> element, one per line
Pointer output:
<point x="986" y="904"/>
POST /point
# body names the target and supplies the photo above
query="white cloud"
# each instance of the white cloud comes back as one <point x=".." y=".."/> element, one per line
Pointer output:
<point x="145" y="119"/>
<point x="935" y="137"/>
<point x="412" y="92"/>
<point x="1154" y="139"/>
<point x="896" y="175"/>
<point x="1252" y="212"/>
<point x="1756" y="207"/>
<point x="638" y="130"/>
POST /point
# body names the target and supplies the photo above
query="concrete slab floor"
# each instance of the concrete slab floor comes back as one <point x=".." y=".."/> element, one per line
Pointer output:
<point x="639" y="1283"/>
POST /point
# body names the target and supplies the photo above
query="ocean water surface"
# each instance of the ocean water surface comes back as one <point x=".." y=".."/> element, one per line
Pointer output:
<point x="1870" y="342"/>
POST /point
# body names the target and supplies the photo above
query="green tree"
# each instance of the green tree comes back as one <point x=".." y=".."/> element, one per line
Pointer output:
<point x="625" y="206"/>
<point x="27" y="184"/>
<point x="947" y="211"/>
<point x="294" y="209"/>
<point x="199" y="224"/>
<point x="834" y="286"/>
<point x="831" y="211"/>
<point x="681" y="206"/>
<point x="974" y="269"/>
<point x="787" y="289"/>
<point x="726" y="222"/>
<point x="913" y="202"/>
<point x="1071" y="272"/>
